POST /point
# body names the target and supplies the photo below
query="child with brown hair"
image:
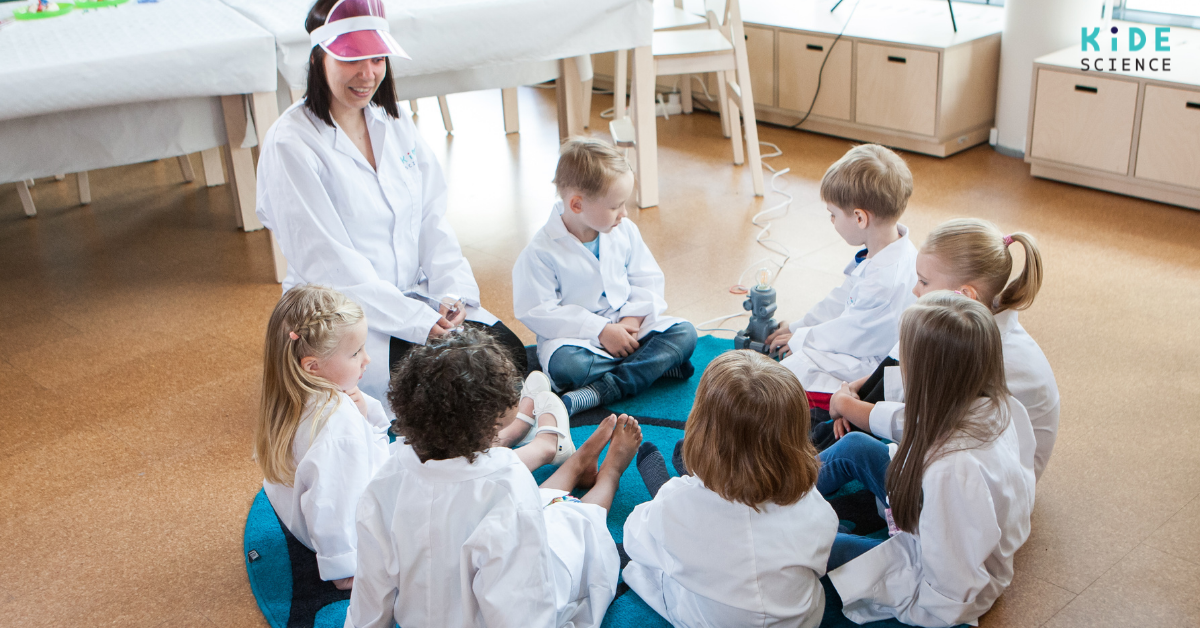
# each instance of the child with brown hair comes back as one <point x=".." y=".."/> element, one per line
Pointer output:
<point x="972" y="257"/>
<point x="846" y="335"/>
<point x="590" y="289"/>
<point x="454" y="531"/>
<point x="745" y="539"/>
<point x="959" y="491"/>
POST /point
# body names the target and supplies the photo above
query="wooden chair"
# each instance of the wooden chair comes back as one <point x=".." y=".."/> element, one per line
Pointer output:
<point x="720" y="48"/>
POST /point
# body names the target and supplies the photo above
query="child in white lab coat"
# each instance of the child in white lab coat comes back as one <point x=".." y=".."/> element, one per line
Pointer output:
<point x="745" y="539"/>
<point x="318" y="439"/>
<point x="590" y="289"/>
<point x="959" y="491"/>
<point x="972" y="257"/>
<point x="846" y="335"/>
<point x="455" y="532"/>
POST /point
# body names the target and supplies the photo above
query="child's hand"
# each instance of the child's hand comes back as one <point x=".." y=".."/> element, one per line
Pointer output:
<point x="617" y="340"/>
<point x="781" y="329"/>
<point x="357" y="397"/>
<point x="857" y="385"/>
<point x="841" y="427"/>
<point x="835" y="401"/>
<point x="345" y="584"/>
<point x="777" y="344"/>
<point x="633" y="324"/>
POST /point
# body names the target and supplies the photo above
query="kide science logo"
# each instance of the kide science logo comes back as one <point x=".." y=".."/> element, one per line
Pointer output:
<point x="1136" y="56"/>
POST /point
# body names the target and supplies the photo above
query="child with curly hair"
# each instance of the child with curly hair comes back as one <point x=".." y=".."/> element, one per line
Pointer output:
<point x="454" y="531"/>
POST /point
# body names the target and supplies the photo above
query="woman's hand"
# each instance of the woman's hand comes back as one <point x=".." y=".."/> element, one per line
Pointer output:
<point x="440" y="328"/>
<point x="617" y="340"/>
<point x="345" y="584"/>
<point x="453" y="317"/>
<point x="357" y="397"/>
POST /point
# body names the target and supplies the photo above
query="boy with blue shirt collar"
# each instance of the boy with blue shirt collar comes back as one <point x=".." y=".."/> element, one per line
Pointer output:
<point x="846" y="335"/>
<point x="590" y="289"/>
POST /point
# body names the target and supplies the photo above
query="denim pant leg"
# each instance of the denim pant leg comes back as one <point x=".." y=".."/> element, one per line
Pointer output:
<point x="572" y="367"/>
<point x="847" y="547"/>
<point x="855" y="456"/>
<point x="658" y="353"/>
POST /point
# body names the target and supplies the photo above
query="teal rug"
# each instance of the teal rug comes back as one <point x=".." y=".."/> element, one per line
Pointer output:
<point x="283" y="573"/>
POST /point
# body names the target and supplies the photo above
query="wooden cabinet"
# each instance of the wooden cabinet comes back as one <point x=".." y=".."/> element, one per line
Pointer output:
<point x="800" y="59"/>
<point x="1169" y="146"/>
<point x="1084" y="120"/>
<point x="760" y="54"/>
<point x="1130" y="132"/>
<point x="897" y="88"/>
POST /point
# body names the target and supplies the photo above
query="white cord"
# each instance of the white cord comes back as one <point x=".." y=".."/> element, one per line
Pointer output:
<point x="761" y="239"/>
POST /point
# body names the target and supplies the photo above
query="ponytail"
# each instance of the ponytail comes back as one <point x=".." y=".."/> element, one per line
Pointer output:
<point x="976" y="252"/>
<point x="1019" y="294"/>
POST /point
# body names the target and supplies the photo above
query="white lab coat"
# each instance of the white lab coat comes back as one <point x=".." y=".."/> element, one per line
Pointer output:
<point x="700" y="560"/>
<point x="332" y="471"/>
<point x="1030" y="380"/>
<point x="447" y="543"/>
<point x="847" y="335"/>
<point x="566" y="296"/>
<point x="380" y="237"/>
<point x="975" y="515"/>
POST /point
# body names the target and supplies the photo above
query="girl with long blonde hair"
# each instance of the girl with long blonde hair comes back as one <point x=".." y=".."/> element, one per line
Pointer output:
<point x="958" y="491"/>
<point x="319" y="440"/>
<point x="974" y="258"/>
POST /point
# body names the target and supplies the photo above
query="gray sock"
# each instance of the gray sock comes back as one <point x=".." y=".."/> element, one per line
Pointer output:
<point x="677" y="372"/>
<point x="652" y="467"/>
<point x="677" y="458"/>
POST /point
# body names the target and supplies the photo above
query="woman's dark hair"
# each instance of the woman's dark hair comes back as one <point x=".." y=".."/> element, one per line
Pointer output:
<point x="448" y="395"/>
<point x="318" y="95"/>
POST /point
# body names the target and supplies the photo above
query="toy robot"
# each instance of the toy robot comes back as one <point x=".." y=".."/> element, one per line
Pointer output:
<point x="761" y="302"/>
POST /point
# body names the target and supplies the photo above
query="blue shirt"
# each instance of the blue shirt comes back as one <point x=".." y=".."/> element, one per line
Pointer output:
<point x="594" y="246"/>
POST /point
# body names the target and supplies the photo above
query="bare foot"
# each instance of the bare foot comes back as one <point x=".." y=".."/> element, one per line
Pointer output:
<point x="588" y="453"/>
<point x="626" y="438"/>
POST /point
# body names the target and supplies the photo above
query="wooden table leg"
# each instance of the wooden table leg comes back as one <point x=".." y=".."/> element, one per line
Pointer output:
<point x="280" y="260"/>
<point x="85" y="187"/>
<point x="569" y="91"/>
<point x="644" y="123"/>
<point x="26" y="199"/>
<point x="241" y="162"/>
<point x="214" y="174"/>
<point x="620" y="82"/>
<point x="508" y="100"/>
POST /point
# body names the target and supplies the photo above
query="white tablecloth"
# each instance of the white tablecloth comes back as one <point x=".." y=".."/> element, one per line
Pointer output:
<point x="131" y="53"/>
<point x="109" y="87"/>
<point x="467" y="38"/>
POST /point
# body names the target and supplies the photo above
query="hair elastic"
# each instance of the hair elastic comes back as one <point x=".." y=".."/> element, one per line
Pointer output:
<point x="293" y="336"/>
<point x="1008" y="240"/>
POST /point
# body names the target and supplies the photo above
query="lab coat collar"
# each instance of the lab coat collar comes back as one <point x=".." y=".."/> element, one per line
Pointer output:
<point x="458" y="469"/>
<point x="611" y="264"/>
<point x="892" y="252"/>
<point x="1006" y="321"/>
<point x="337" y="138"/>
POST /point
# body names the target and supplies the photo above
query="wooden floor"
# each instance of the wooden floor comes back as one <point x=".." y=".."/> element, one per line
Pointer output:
<point x="130" y="361"/>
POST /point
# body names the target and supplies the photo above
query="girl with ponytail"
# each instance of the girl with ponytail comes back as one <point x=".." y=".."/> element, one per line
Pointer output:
<point x="973" y="258"/>
<point x="318" y="439"/>
<point x="958" y="491"/>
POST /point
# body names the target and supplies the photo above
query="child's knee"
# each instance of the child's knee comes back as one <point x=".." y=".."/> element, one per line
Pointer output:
<point x="570" y="367"/>
<point x="683" y="337"/>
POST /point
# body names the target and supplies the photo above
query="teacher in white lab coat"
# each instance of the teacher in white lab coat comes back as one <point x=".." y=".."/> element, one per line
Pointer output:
<point x="357" y="200"/>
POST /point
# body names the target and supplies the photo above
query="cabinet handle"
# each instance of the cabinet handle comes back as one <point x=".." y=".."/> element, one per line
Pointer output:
<point x="1193" y="105"/>
<point x="1085" y="88"/>
<point x="815" y="47"/>
<point x="897" y="59"/>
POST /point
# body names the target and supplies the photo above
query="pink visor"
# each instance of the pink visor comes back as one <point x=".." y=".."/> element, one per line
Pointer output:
<point x="356" y="30"/>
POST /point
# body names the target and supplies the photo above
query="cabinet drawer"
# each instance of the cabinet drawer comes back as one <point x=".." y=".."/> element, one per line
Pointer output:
<point x="897" y="88"/>
<point x="800" y="58"/>
<point x="760" y="54"/>
<point x="1084" y="120"/>
<point x="1169" y="144"/>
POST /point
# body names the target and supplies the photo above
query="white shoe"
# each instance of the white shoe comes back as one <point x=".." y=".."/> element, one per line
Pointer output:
<point x="535" y="384"/>
<point x="548" y="403"/>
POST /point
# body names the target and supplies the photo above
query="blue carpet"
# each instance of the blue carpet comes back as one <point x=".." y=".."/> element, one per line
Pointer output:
<point x="283" y="574"/>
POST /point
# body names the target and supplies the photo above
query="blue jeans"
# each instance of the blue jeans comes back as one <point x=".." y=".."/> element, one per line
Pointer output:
<point x="574" y="367"/>
<point x="855" y="456"/>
